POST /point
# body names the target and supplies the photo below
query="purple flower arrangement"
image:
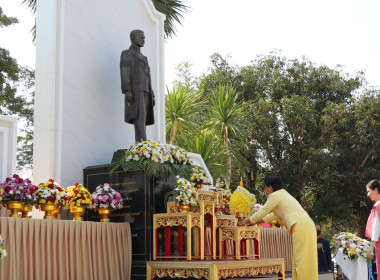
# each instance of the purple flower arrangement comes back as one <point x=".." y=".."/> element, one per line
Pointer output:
<point x="106" y="197"/>
<point x="17" y="189"/>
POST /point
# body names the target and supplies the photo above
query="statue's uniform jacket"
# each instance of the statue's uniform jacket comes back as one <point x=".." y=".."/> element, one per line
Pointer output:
<point x="135" y="77"/>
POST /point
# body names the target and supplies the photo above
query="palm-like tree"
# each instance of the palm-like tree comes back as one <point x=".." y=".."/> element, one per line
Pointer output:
<point x="226" y="118"/>
<point x="172" y="9"/>
<point x="181" y="109"/>
<point x="205" y="143"/>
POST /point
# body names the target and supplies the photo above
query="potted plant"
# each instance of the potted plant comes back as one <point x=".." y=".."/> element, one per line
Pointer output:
<point x="185" y="194"/>
<point x="3" y="251"/>
<point x="79" y="198"/>
<point x="16" y="193"/>
<point x="198" y="177"/>
<point x="51" y="197"/>
<point x="105" y="198"/>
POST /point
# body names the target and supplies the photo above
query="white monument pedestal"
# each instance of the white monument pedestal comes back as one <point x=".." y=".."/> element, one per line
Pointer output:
<point x="79" y="107"/>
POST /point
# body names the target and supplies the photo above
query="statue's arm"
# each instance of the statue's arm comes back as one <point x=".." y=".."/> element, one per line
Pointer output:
<point x="126" y="72"/>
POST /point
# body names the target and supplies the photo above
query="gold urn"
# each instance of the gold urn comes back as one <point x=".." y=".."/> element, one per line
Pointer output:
<point x="78" y="212"/>
<point x="104" y="213"/>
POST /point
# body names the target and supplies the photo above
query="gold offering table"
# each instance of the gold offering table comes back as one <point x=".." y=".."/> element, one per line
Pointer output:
<point x="215" y="270"/>
<point x="242" y="241"/>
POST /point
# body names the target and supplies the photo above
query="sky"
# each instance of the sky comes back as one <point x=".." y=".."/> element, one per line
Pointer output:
<point x="329" y="32"/>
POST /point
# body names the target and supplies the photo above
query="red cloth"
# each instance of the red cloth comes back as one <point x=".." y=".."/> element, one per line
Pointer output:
<point x="369" y="227"/>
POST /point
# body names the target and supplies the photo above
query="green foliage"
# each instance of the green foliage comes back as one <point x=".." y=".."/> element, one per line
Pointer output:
<point x="205" y="143"/>
<point x="16" y="99"/>
<point x="153" y="168"/>
<point x="6" y="21"/>
<point x="317" y="128"/>
<point x="182" y="106"/>
<point x="225" y="112"/>
<point x="173" y="10"/>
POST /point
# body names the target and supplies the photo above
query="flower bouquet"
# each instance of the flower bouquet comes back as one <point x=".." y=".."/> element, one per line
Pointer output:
<point x="51" y="197"/>
<point x="222" y="187"/>
<point x="17" y="192"/>
<point x="79" y="198"/>
<point x="156" y="159"/>
<point x="185" y="194"/>
<point x="198" y="177"/>
<point x="105" y="198"/>
<point x="241" y="202"/>
<point x="352" y="246"/>
<point x="3" y="251"/>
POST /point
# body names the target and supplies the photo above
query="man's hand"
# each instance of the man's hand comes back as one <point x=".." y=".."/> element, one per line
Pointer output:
<point x="129" y="96"/>
<point x="319" y="245"/>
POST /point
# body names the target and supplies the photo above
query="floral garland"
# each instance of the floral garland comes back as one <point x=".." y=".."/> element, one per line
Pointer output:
<point x="185" y="192"/>
<point x="156" y="159"/>
<point x="198" y="176"/>
<point x="3" y="251"/>
<point x="352" y="246"/>
<point x="106" y="197"/>
<point x="51" y="192"/>
<point x="242" y="201"/>
<point x="17" y="189"/>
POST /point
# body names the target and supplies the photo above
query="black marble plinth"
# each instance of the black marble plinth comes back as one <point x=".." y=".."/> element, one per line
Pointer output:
<point x="143" y="196"/>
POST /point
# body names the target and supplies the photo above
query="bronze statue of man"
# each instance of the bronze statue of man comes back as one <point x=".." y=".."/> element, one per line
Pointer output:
<point x="136" y="86"/>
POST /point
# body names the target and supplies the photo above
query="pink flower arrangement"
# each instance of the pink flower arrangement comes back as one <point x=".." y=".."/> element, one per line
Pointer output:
<point x="106" y="197"/>
<point x="17" y="189"/>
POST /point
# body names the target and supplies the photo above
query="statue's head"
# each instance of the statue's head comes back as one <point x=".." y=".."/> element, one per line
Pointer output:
<point x="137" y="37"/>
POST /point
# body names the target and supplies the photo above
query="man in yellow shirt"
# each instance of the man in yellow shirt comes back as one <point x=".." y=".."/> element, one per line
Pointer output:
<point x="280" y="204"/>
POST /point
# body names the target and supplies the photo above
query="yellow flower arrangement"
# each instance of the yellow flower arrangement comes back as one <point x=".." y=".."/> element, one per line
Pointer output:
<point x="241" y="200"/>
<point x="78" y="195"/>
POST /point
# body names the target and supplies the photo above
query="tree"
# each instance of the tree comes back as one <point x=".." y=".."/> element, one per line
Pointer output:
<point x="16" y="99"/>
<point x="208" y="145"/>
<point x="181" y="108"/>
<point x="225" y="117"/>
<point x="172" y="9"/>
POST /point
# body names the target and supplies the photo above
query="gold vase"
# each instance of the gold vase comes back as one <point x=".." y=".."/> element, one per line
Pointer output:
<point x="56" y="211"/>
<point x="239" y="216"/>
<point x="15" y="207"/>
<point x="26" y="210"/>
<point x="48" y="209"/>
<point x="104" y="213"/>
<point x="198" y="186"/>
<point x="78" y="212"/>
<point x="184" y="208"/>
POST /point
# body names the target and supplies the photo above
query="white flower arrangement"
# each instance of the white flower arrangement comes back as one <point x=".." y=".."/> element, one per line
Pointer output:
<point x="185" y="192"/>
<point x="158" y="160"/>
<point x="198" y="176"/>
<point x="222" y="187"/>
<point x="158" y="152"/>
<point x="352" y="246"/>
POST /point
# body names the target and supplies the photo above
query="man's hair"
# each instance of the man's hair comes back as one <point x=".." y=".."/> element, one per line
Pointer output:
<point x="134" y="33"/>
<point x="273" y="181"/>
